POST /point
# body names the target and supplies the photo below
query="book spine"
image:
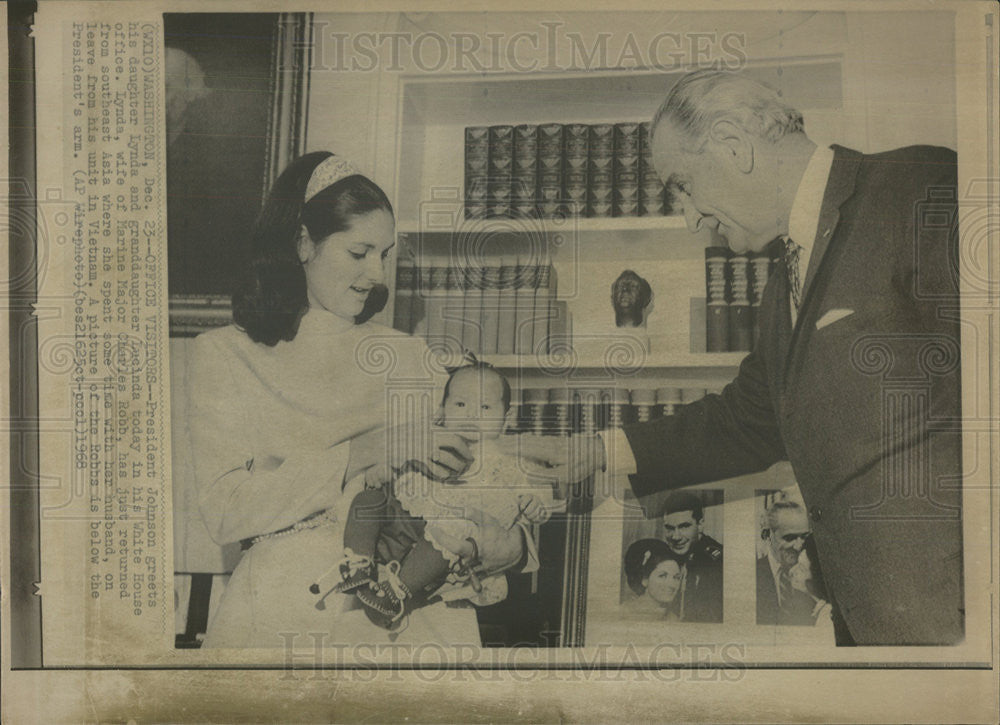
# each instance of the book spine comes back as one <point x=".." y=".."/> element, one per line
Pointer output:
<point x="643" y="401"/>
<point x="652" y="199"/>
<point x="601" y="171"/>
<point x="524" y="305"/>
<point x="760" y="267"/>
<point x="459" y="328"/>
<point x="667" y="400"/>
<point x="477" y="155"/>
<point x="626" y="167"/>
<point x="740" y="321"/>
<point x="535" y="400"/>
<point x="560" y="401"/>
<point x="472" y="333"/>
<point x="550" y="169"/>
<point x="435" y="301"/>
<point x="403" y="307"/>
<point x="421" y="285"/>
<point x="517" y="411"/>
<point x="589" y="401"/>
<point x="716" y="306"/>
<point x="491" y="308"/>
<point x="524" y="178"/>
<point x="500" y="170"/>
<point x="506" y="324"/>
<point x="576" y="158"/>
<point x="543" y="309"/>
<point x="453" y="308"/>
<point x="672" y="204"/>
<point x="618" y="408"/>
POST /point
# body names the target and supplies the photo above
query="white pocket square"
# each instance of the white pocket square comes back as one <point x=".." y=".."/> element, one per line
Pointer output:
<point x="831" y="316"/>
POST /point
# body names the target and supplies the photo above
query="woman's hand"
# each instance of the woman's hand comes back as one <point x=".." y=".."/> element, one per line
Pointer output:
<point x="431" y="451"/>
<point x="499" y="548"/>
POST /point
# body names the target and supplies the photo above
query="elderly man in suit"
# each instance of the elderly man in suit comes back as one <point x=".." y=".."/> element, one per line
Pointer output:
<point x="779" y="602"/>
<point x="855" y="377"/>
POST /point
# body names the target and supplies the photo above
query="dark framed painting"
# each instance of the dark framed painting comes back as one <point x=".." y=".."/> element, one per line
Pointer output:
<point x="236" y="94"/>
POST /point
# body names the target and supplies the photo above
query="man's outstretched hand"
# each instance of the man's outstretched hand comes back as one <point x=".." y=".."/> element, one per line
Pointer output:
<point x="559" y="460"/>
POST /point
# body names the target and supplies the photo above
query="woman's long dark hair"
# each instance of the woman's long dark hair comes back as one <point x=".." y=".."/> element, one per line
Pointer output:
<point x="271" y="297"/>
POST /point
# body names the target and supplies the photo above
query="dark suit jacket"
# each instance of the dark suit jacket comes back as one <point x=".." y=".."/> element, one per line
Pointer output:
<point x="866" y="409"/>
<point x="703" y="595"/>
<point x="799" y="611"/>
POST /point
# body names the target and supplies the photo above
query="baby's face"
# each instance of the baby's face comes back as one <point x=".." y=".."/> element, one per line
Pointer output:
<point x="475" y="403"/>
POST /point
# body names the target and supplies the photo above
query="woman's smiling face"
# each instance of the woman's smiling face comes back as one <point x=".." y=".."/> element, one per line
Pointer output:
<point x="664" y="582"/>
<point x="342" y="269"/>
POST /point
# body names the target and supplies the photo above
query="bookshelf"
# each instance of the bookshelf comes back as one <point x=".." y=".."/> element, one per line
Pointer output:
<point x="586" y="253"/>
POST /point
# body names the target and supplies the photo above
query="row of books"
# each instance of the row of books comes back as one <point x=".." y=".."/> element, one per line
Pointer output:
<point x="562" y="410"/>
<point x="504" y="306"/>
<point x="734" y="285"/>
<point x="553" y="169"/>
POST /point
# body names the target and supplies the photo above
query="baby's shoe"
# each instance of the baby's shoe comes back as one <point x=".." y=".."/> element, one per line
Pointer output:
<point x="354" y="571"/>
<point x="385" y="601"/>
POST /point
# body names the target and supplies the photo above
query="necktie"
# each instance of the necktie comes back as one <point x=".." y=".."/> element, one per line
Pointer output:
<point x="792" y="267"/>
<point x="784" y="588"/>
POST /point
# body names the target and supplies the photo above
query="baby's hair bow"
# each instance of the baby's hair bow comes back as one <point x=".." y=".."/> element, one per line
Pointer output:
<point x="469" y="359"/>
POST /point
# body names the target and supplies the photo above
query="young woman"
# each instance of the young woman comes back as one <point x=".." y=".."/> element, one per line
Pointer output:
<point x="289" y="407"/>
<point x="655" y="575"/>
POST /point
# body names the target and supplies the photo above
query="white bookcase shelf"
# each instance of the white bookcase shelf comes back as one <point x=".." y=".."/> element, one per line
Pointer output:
<point x="583" y="225"/>
<point x="722" y="362"/>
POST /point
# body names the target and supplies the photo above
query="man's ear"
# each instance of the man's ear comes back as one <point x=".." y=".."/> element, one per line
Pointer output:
<point x="734" y="142"/>
<point x="438" y="416"/>
<point x="305" y="246"/>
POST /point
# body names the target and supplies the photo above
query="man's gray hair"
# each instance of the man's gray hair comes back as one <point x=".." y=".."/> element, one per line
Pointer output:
<point x="704" y="96"/>
<point x="771" y="515"/>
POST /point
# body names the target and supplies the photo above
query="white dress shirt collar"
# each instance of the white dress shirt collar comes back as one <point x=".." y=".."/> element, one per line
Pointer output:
<point x="803" y="221"/>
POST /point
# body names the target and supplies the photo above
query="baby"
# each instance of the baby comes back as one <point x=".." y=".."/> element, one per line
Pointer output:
<point x="420" y="531"/>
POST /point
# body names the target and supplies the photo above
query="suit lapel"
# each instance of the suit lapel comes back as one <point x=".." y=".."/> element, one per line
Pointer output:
<point x="839" y="188"/>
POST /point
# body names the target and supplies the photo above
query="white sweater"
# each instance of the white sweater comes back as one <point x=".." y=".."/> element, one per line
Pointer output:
<point x="271" y="426"/>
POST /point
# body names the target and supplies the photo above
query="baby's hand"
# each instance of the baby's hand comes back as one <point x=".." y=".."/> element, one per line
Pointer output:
<point x="532" y="508"/>
<point x="377" y="476"/>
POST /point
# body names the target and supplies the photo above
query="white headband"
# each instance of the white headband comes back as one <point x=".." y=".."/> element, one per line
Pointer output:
<point x="331" y="170"/>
